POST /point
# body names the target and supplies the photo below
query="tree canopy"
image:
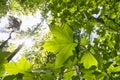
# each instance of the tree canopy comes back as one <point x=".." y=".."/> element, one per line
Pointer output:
<point x="83" y="42"/>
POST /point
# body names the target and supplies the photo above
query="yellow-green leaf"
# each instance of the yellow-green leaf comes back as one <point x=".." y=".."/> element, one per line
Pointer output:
<point x="62" y="43"/>
<point x="84" y="41"/>
<point x="113" y="69"/>
<point x="88" y="60"/>
<point x="18" y="67"/>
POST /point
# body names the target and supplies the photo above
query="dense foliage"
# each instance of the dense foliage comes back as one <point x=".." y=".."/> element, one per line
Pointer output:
<point x="84" y="43"/>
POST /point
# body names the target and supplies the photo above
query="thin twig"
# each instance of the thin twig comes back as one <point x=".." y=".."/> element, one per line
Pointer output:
<point x="15" y="52"/>
<point x="6" y="41"/>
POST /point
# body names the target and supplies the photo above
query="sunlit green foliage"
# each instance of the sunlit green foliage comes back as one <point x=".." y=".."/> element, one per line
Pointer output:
<point x="15" y="67"/>
<point x="84" y="43"/>
<point x="19" y="70"/>
<point x="62" y="44"/>
<point x="20" y="6"/>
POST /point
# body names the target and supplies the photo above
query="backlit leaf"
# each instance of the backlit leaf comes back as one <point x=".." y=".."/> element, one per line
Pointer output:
<point x="18" y="67"/>
<point x="88" y="60"/>
<point x="113" y="69"/>
<point x="68" y="75"/>
<point x="89" y="76"/>
<point x="84" y="41"/>
<point x="62" y="43"/>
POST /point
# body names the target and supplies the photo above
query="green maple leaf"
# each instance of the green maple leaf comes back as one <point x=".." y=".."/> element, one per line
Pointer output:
<point x="62" y="43"/>
<point x="68" y="75"/>
<point x="88" y="60"/>
<point x="89" y="76"/>
<point x="113" y="69"/>
<point x="14" y="68"/>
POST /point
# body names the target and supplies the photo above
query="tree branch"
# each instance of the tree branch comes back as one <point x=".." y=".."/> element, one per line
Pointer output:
<point x="6" y="41"/>
<point x="15" y="52"/>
